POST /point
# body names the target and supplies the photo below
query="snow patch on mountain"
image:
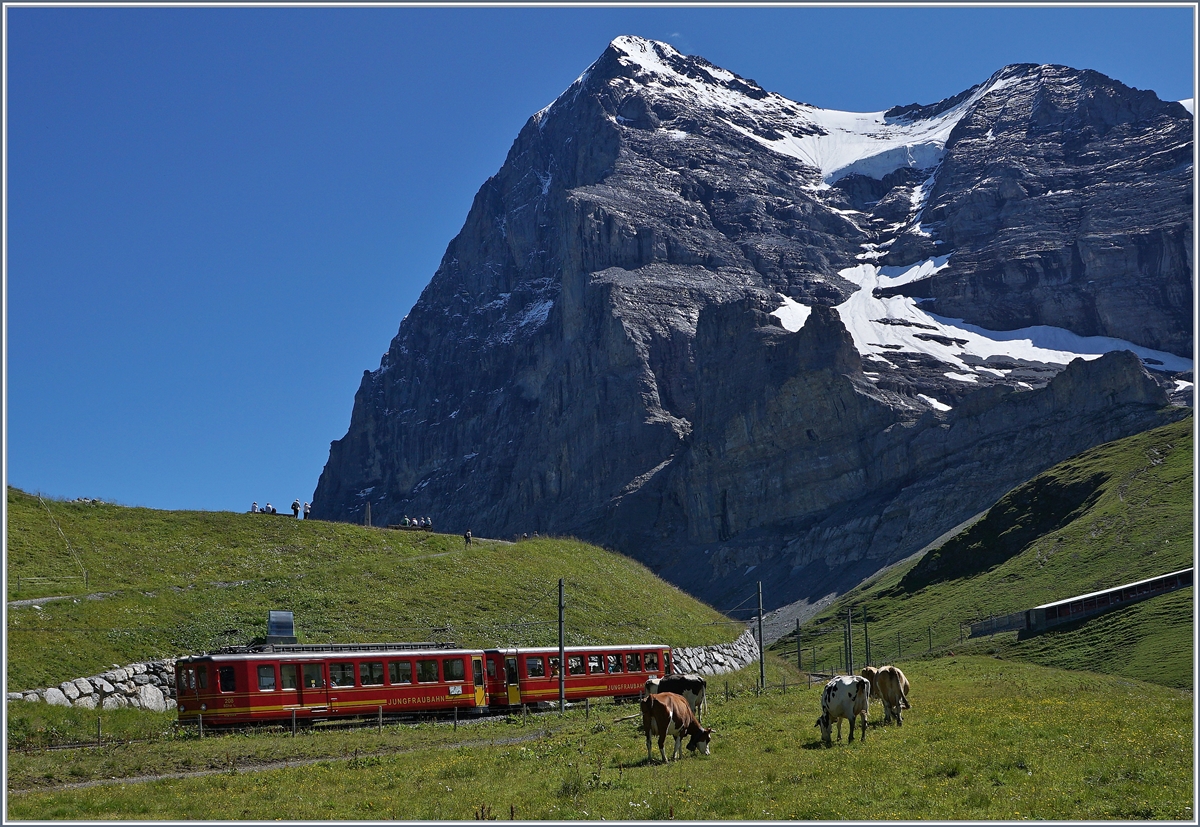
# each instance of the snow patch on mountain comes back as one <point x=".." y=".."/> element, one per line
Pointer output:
<point x="883" y="325"/>
<point x="834" y="142"/>
<point x="792" y="314"/>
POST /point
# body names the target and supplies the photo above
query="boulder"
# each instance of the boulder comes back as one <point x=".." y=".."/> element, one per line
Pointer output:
<point x="141" y="679"/>
<point x="69" y="689"/>
<point x="113" y="702"/>
<point x="55" y="697"/>
<point x="102" y="686"/>
<point x="32" y="697"/>
<point x="83" y="687"/>
<point x="87" y="701"/>
<point x="151" y="698"/>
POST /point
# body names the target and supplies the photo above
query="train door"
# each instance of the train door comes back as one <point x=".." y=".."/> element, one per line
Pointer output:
<point x="289" y="686"/>
<point x="477" y="676"/>
<point x="514" y="686"/>
<point x="313" y="689"/>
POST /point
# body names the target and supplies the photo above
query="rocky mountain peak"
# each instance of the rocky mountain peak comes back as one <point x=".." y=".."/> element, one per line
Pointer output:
<point x="726" y="332"/>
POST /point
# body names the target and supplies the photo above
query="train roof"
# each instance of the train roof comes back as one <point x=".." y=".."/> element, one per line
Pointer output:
<point x="1112" y="589"/>
<point x="331" y="651"/>
<point x="578" y="650"/>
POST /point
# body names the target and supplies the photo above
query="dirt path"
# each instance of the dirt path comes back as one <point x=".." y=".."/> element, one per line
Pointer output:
<point x="266" y="766"/>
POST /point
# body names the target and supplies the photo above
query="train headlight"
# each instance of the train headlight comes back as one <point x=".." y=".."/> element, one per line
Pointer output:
<point x="203" y="707"/>
<point x="182" y="708"/>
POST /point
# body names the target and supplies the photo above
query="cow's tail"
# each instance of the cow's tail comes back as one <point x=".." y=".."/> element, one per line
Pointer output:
<point x="904" y="702"/>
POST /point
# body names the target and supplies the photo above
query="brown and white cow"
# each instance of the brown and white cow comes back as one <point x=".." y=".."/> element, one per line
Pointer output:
<point x="666" y="714"/>
<point x="889" y="685"/>
<point x="846" y="696"/>
<point x="691" y="686"/>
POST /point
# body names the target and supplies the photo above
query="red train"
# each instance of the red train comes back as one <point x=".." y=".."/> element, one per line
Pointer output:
<point x="313" y="683"/>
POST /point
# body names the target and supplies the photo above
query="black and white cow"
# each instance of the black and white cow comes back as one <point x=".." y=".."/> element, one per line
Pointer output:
<point x="846" y="697"/>
<point x="691" y="687"/>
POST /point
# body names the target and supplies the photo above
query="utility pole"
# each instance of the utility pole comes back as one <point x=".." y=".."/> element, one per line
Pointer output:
<point x="866" y="640"/>
<point x="799" y="651"/>
<point x="849" y="641"/>
<point x="562" y="651"/>
<point x="368" y="514"/>
<point x="762" y="664"/>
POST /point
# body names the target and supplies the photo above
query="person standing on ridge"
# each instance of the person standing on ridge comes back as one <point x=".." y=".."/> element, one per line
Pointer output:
<point x="296" y="508"/>
<point x="467" y="537"/>
<point x="307" y="508"/>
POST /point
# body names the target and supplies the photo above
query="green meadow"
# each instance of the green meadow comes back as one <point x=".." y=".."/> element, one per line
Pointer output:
<point x="985" y="739"/>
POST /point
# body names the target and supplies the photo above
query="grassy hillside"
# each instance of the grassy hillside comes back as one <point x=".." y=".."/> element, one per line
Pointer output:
<point x="164" y="583"/>
<point x="1115" y="514"/>
<point x="985" y="740"/>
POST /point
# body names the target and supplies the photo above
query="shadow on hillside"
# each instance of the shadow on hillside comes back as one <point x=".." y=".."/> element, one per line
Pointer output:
<point x="1038" y="507"/>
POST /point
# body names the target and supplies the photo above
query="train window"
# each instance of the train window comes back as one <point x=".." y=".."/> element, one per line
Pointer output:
<point x="427" y="671"/>
<point x="187" y="678"/>
<point x="341" y="674"/>
<point x="454" y="669"/>
<point x="554" y="667"/>
<point x="202" y="676"/>
<point x="225" y="676"/>
<point x="535" y="666"/>
<point x="614" y="664"/>
<point x="371" y="673"/>
<point x="635" y="662"/>
<point x="595" y="663"/>
<point x="491" y="668"/>
<point x="652" y="661"/>
<point x="476" y="672"/>
<point x="266" y="678"/>
<point x="313" y="679"/>
<point x="510" y="671"/>
<point x="575" y="664"/>
<point x="399" y="671"/>
<point x="287" y="676"/>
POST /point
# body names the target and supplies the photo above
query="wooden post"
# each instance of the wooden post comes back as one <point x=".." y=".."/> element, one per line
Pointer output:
<point x="762" y="664"/>
<point x="562" y="652"/>
<point x="866" y="640"/>
<point x="200" y="719"/>
<point x="368" y="523"/>
<point x="293" y="723"/>
<point x="799" y="650"/>
<point x="380" y="719"/>
<point x="455" y="718"/>
<point x="98" y="731"/>
<point x="849" y="641"/>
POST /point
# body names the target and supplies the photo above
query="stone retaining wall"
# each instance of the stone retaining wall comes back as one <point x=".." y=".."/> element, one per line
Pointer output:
<point x="149" y="685"/>
<point x="718" y="659"/>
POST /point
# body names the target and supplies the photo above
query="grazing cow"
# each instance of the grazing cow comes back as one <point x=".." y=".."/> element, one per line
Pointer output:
<point x="844" y="697"/>
<point x="889" y="685"/>
<point x="666" y="714"/>
<point x="691" y="687"/>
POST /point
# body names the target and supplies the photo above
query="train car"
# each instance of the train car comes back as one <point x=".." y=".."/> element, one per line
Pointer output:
<point x="515" y="677"/>
<point x="322" y="682"/>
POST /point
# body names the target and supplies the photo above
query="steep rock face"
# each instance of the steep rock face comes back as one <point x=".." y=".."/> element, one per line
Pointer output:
<point x="1067" y="198"/>
<point x="659" y="329"/>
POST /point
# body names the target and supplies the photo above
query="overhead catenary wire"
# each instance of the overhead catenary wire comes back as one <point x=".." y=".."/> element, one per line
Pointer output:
<point x="57" y="527"/>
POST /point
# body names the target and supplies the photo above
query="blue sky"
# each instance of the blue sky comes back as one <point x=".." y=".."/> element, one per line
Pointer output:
<point x="217" y="217"/>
